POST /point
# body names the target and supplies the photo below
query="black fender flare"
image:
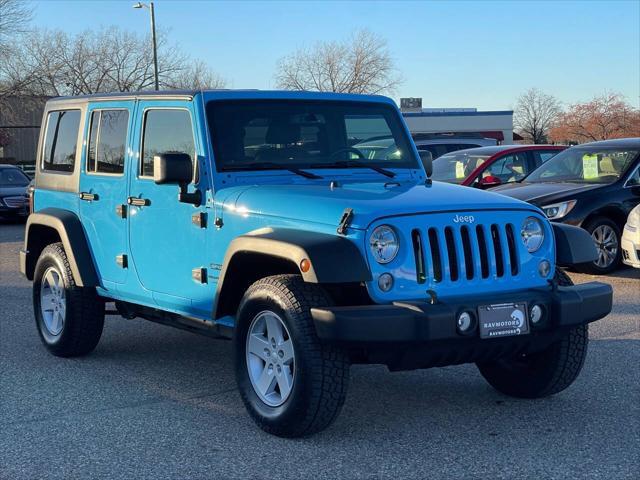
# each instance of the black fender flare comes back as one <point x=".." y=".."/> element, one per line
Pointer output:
<point x="333" y="259"/>
<point x="69" y="229"/>
<point x="574" y="245"/>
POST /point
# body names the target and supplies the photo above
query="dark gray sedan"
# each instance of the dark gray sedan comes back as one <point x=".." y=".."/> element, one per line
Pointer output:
<point x="14" y="202"/>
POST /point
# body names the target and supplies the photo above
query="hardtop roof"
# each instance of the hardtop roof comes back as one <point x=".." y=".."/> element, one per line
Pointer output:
<point x="223" y="94"/>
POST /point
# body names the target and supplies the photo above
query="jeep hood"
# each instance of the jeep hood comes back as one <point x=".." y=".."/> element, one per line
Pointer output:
<point x="369" y="201"/>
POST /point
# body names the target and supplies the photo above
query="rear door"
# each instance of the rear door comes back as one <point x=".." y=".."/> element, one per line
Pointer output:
<point x="103" y="186"/>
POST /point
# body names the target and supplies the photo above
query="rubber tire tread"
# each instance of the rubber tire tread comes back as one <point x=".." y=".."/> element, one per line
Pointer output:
<point x="557" y="366"/>
<point x="327" y="365"/>
<point x="84" y="319"/>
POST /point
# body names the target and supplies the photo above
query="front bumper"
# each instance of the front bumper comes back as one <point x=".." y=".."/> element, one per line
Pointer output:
<point x="21" y="211"/>
<point x="421" y="322"/>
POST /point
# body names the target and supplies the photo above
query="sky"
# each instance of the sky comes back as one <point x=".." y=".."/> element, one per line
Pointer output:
<point x="450" y="53"/>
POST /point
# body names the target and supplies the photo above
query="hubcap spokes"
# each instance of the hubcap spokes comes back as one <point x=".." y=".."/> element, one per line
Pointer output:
<point x="53" y="305"/>
<point x="270" y="358"/>
<point x="607" y="245"/>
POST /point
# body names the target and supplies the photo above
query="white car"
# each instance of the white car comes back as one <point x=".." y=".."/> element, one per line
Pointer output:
<point x="631" y="239"/>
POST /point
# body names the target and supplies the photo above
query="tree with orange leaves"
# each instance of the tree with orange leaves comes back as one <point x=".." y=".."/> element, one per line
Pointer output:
<point x="604" y="117"/>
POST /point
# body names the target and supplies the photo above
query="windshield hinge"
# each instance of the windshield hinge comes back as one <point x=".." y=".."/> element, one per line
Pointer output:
<point x="345" y="220"/>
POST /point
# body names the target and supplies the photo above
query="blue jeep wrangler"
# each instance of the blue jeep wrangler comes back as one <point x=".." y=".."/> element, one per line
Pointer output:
<point x="305" y="227"/>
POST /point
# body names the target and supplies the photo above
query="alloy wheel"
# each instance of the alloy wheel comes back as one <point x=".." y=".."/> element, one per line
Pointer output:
<point x="270" y="358"/>
<point x="53" y="304"/>
<point x="606" y="242"/>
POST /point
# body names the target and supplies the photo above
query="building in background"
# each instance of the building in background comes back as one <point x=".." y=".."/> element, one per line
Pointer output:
<point x="458" y="122"/>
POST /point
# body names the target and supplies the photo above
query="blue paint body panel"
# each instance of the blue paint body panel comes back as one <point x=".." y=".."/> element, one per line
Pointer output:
<point x="163" y="245"/>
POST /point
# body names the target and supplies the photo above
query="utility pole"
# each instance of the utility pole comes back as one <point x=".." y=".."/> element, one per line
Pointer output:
<point x="154" y="44"/>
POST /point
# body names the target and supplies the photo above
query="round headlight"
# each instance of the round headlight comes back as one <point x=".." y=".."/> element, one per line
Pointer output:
<point x="384" y="244"/>
<point x="532" y="234"/>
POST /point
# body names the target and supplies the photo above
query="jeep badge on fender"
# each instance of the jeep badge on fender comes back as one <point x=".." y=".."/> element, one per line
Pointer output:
<point x="302" y="226"/>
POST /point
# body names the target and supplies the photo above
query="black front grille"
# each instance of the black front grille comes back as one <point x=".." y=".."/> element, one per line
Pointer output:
<point x="458" y="253"/>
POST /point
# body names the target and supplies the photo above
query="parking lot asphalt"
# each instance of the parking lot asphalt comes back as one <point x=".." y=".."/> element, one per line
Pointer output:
<point x="154" y="402"/>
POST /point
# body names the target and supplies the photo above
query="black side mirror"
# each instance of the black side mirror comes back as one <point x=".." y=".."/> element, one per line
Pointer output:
<point x="176" y="169"/>
<point x="172" y="169"/>
<point x="427" y="161"/>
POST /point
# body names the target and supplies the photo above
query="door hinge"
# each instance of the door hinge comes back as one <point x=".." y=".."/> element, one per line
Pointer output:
<point x="345" y="220"/>
<point x="199" y="219"/>
<point x="121" y="260"/>
<point x="199" y="274"/>
<point x="121" y="211"/>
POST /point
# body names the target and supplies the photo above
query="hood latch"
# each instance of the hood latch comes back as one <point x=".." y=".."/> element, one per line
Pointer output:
<point x="345" y="220"/>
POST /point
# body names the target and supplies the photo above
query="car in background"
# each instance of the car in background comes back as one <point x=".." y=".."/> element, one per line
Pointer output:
<point x="488" y="167"/>
<point x="14" y="203"/>
<point x="631" y="239"/>
<point x="594" y="186"/>
<point x="439" y="144"/>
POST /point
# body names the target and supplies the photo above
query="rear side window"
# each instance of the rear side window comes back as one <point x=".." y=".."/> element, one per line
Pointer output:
<point x="541" y="156"/>
<point x="509" y="168"/>
<point x="165" y="131"/>
<point x="60" y="141"/>
<point x="107" y="141"/>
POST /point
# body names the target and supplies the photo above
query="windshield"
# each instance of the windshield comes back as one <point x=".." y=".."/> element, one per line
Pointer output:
<point x="585" y="165"/>
<point x="271" y="134"/>
<point x="13" y="177"/>
<point x="455" y="167"/>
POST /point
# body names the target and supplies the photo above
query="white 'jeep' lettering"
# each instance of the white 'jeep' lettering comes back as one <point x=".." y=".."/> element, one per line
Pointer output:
<point x="464" y="219"/>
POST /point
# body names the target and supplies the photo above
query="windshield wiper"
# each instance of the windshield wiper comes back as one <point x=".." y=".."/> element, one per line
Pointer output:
<point x="357" y="163"/>
<point x="274" y="166"/>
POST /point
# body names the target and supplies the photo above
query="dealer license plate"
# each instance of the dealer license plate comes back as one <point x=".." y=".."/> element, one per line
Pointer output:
<point x="503" y="320"/>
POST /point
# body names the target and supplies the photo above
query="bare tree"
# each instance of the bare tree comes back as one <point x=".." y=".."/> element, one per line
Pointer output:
<point x="362" y="64"/>
<point x="197" y="76"/>
<point x="55" y="63"/>
<point x="15" y="16"/>
<point x="535" y="114"/>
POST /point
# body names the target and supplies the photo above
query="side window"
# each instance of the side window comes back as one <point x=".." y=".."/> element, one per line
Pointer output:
<point x="60" y="142"/>
<point x="509" y="168"/>
<point x="165" y="131"/>
<point x="107" y="141"/>
<point x="541" y="156"/>
<point x="634" y="179"/>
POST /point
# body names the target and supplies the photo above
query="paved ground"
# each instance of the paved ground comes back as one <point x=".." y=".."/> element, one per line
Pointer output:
<point x="153" y="402"/>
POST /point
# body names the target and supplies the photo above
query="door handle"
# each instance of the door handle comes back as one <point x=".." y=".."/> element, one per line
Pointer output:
<point x="138" y="202"/>
<point x="88" y="197"/>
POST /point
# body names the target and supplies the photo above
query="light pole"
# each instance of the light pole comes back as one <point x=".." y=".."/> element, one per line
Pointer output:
<point x="153" y="39"/>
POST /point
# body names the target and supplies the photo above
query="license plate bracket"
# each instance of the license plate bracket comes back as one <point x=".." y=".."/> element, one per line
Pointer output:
<point x="503" y="320"/>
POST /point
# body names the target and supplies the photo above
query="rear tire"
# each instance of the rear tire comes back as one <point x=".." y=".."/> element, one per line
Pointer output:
<point x="69" y="318"/>
<point x="317" y="374"/>
<point x="543" y="373"/>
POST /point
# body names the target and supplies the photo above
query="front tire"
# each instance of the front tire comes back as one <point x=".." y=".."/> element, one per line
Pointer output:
<point x="542" y="373"/>
<point x="291" y="384"/>
<point x="606" y="237"/>
<point x="69" y="318"/>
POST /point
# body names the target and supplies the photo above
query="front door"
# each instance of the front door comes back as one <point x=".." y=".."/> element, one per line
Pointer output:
<point x="103" y="187"/>
<point x="167" y="247"/>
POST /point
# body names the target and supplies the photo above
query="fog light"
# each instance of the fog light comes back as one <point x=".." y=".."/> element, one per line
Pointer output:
<point x="544" y="267"/>
<point x="465" y="322"/>
<point x="536" y="313"/>
<point x="385" y="282"/>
